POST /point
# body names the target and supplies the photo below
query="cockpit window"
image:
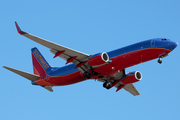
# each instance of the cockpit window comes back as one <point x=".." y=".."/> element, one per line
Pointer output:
<point x="164" y="39"/>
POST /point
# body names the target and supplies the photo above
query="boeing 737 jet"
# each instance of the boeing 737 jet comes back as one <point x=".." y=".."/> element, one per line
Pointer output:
<point x="107" y="67"/>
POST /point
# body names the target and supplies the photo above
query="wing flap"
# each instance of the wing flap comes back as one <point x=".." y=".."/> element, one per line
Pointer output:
<point x="68" y="52"/>
<point x="131" y="89"/>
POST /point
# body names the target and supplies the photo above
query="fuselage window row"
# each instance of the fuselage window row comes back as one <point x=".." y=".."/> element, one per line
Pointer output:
<point x="131" y="47"/>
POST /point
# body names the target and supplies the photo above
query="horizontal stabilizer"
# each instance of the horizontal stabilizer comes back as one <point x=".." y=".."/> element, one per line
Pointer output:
<point x="48" y="88"/>
<point x="23" y="74"/>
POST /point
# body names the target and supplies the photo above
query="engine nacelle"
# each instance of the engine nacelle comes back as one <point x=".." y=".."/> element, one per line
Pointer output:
<point x="131" y="77"/>
<point x="98" y="59"/>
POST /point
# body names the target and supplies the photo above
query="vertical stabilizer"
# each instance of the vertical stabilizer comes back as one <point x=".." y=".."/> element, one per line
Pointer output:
<point x="40" y="65"/>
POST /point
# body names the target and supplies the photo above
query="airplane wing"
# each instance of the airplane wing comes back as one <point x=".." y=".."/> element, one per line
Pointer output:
<point x="63" y="52"/>
<point x="129" y="87"/>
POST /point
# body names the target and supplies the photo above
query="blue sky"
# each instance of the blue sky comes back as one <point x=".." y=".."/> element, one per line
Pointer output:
<point x="90" y="27"/>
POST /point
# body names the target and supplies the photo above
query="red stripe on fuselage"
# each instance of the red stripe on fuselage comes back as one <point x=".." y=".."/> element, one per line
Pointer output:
<point x="119" y="62"/>
<point x="130" y="59"/>
<point x="67" y="79"/>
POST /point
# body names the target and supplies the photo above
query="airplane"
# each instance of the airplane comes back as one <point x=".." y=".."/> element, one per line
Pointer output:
<point x="107" y="67"/>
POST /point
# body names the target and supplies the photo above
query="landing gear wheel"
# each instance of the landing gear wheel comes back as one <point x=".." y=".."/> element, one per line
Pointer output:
<point x="159" y="61"/>
<point x="87" y="75"/>
<point x="106" y="85"/>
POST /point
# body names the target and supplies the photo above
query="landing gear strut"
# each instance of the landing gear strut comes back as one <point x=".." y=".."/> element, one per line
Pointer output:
<point x="107" y="85"/>
<point x="159" y="61"/>
<point x="162" y="56"/>
<point x="93" y="72"/>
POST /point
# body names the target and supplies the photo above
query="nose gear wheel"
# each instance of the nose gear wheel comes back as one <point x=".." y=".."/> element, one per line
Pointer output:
<point x="159" y="61"/>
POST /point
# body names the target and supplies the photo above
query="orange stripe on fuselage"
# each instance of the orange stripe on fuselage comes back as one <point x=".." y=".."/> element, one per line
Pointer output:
<point x="66" y="80"/>
<point x="42" y="82"/>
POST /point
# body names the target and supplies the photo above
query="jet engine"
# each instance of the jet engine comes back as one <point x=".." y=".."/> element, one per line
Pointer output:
<point x="131" y="77"/>
<point x="98" y="59"/>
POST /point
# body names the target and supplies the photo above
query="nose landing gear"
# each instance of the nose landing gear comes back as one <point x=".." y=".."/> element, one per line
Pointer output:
<point x="162" y="56"/>
<point x="159" y="61"/>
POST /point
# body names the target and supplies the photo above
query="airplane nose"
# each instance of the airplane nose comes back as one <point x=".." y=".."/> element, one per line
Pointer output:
<point x="173" y="45"/>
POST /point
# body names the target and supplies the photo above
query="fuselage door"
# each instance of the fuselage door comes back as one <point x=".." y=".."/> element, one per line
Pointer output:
<point x="153" y="42"/>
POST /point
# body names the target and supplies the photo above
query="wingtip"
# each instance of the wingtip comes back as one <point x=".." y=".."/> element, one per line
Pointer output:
<point x="4" y="67"/>
<point x="19" y="29"/>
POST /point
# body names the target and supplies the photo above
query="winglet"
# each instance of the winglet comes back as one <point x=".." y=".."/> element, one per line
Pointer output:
<point x="19" y="29"/>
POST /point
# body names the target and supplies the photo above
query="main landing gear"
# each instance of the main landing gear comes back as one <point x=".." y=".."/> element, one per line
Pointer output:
<point x="88" y="75"/>
<point x="107" y="85"/>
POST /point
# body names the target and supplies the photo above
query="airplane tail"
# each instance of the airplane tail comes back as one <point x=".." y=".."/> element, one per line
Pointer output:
<point x="40" y="65"/>
<point x="28" y="76"/>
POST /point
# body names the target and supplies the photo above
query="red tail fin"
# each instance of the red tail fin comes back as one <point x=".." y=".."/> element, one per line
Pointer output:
<point x="40" y="65"/>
